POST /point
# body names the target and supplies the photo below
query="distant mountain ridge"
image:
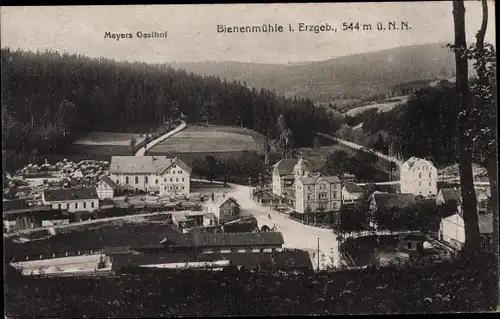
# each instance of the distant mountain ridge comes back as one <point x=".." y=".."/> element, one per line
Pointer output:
<point x="354" y="76"/>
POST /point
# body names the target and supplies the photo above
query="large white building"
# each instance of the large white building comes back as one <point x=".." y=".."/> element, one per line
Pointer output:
<point x="418" y="177"/>
<point x="283" y="175"/>
<point x="167" y="176"/>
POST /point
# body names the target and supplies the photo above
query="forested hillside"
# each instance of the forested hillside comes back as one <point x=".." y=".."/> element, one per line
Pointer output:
<point x="50" y="99"/>
<point x="359" y="76"/>
<point x="425" y="126"/>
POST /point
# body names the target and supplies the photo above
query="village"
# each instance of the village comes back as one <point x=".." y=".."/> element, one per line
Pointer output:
<point x="299" y="218"/>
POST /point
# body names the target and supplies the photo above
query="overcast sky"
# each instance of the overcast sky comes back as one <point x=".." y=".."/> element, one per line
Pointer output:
<point x="192" y="30"/>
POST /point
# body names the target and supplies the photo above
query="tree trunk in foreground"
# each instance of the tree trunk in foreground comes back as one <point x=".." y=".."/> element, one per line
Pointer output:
<point x="465" y="121"/>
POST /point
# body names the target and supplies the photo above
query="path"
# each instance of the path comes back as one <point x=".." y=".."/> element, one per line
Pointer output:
<point x="363" y="148"/>
<point x="157" y="140"/>
<point x="295" y="234"/>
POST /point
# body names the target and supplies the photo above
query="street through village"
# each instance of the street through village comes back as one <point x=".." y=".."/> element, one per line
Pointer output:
<point x="295" y="234"/>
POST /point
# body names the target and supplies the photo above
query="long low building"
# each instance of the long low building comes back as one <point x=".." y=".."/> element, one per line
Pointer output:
<point x="72" y="199"/>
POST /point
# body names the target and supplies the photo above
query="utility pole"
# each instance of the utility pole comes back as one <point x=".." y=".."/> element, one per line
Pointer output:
<point x="318" y="253"/>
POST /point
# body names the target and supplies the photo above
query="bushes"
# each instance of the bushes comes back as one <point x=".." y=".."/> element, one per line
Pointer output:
<point x="460" y="285"/>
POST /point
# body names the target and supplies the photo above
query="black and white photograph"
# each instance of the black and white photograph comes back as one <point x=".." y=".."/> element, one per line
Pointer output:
<point x="222" y="160"/>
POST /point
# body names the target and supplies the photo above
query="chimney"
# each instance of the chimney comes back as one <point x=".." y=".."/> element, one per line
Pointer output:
<point x="46" y="161"/>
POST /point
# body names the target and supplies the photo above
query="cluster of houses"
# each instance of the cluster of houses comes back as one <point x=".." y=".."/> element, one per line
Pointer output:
<point x="298" y="185"/>
<point x="165" y="177"/>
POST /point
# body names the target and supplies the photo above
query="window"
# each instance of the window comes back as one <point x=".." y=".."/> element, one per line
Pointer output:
<point x="429" y="175"/>
<point x="117" y="181"/>
<point x="137" y="180"/>
<point x="126" y="179"/>
<point x="173" y="166"/>
<point x="409" y="245"/>
<point x="165" y="179"/>
<point x="84" y="205"/>
<point x="177" y="179"/>
<point x="145" y="179"/>
<point x="179" y="172"/>
<point x="171" y="179"/>
<point x="92" y="205"/>
<point x="334" y="205"/>
<point x="261" y="250"/>
<point x="334" y="195"/>
<point x="429" y="183"/>
<point x="156" y="181"/>
<point x="419" y="183"/>
<point x="165" y="188"/>
<point x="173" y="172"/>
<point x="419" y="175"/>
<point x="183" y="179"/>
<point x="308" y="196"/>
<point x="76" y="205"/>
<point x="59" y="206"/>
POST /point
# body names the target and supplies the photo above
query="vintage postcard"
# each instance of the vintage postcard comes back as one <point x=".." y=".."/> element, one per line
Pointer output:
<point x="249" y="159"/>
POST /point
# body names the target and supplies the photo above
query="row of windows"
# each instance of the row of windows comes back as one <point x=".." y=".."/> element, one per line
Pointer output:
<point x="420" y="183"/>
<point x="322" y="206"/>
<point x="127" y="180"/>
<point x="323" y="196"/>
<point x="420" y="175"/>
<point x="64" y="206"/>
<point x="171" y="187"/>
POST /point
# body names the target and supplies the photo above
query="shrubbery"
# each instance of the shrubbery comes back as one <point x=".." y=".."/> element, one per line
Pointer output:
<point x="451" y="286"/>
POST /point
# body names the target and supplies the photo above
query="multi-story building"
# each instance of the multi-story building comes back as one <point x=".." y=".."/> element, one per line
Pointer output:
<point x="316" y="193"/>
<point x="418" y="177"/>
<point x="283" y="176"/>
<point x="72" y="199"/>
<point x="166" y="176"/>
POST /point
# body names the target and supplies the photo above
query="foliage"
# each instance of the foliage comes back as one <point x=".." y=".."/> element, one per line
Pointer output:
<point x="452" y="286"/>
<point x="50" y="99"/>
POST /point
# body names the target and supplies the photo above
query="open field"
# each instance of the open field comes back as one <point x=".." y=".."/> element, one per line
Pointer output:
<point x="104" y="138"/>
<point x="211" y="139"/>
<point x="380" y="106"/>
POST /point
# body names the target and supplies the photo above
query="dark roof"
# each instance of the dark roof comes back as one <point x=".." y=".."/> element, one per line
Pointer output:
<point x="70" y="194"/>
<point x="353" y="188"/>
<point x="292" y="259"/>
<point x="30" y="209"/>
<point x="14" y="204"/>
<point x="450" y="195"/>
<point x="285" y="166"/>
<point x="394" y="200"/>
<point x="237" y="239"/>
<point x="110" y="182"/>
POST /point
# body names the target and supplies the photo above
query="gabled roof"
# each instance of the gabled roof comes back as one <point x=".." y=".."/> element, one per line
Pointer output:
<point x="285" y="166"/>
<point x="143" y="164"/>
<point x="393" y="200"/>
<point x="14" y="204"/>
<point x="316" y="179"/>
<point x="415" y="161"/>
<point x="352" y="188"/>
<point x="219" y="200"/>
<point x="109" y="182"/>
<point x="294" y="259"/>
<point x="237" y="239"/>
<point x="450" y="195"/>
<point x="70" y="194"/>
<point x="485" y="222"/>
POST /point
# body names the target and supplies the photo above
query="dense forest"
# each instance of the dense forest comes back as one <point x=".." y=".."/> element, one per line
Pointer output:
<point x="425" y="126"/>
<point x="50" y="99"/>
